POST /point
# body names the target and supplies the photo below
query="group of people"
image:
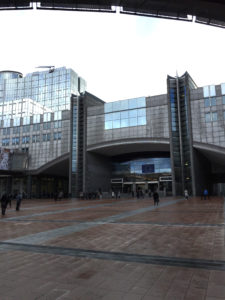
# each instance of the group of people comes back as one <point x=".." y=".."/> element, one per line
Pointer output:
<point x="6" y="200"/>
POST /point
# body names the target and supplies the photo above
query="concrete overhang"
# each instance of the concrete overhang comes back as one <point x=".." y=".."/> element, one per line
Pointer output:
<point x="119" y="147"/>
<point x="56" y="167"/>
<point x="215" y="154"/>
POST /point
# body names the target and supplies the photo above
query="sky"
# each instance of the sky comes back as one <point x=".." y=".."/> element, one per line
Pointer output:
<point x="119" y="56"/>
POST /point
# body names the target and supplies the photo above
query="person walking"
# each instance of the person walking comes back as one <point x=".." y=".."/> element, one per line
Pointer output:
<point x="4" y="202"/>
<point x="186" y="194"/>
<point x="18" y="201"/>
<point x="156" y="198"/>
<point x="206" y="194"/>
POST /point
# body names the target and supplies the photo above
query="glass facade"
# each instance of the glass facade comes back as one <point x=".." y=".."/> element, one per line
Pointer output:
<point x="142" y="166"/>
<point x="29" y="95"/>
<point x="125" y="113"/>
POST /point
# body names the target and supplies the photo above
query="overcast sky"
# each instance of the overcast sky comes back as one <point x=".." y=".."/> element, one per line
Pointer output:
<point x="120" y="56"/>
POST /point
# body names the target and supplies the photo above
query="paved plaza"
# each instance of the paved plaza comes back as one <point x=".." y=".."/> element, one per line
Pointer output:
<point x="113" y="249"/>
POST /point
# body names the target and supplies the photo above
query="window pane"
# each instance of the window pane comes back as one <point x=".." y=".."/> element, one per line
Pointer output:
<point x="116" y="106"/>
<point x="116" y="124"/>
<point x="223" y="88"/>
<point x="141" y="120"/>
<point x="108" y="107"/>
<point x="133" y="113"/>
<point x="212" y="90"/>
<point x="213" y="101"/>
<point x="141" y="102"/>
<point x="214" y="116"/>
<point x="108" y="125"/>
<point x="124" y="115"/>
<point x="207" y="102"/>
<point x="141" y="112"/>
<point x="124" y="104"/>
<point x="206" y="91"/>
<point x="208" y="117"/>
<point x="133" y="121"/>
<point x="108" y="117"/>
<point x="124" y="123"/>
<point x="116" y="116"/>
<point x="132" y="103"/>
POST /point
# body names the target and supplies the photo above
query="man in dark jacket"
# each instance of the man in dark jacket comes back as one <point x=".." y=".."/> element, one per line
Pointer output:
<point x="156" y="198"/>
<point x="4" y="202"/>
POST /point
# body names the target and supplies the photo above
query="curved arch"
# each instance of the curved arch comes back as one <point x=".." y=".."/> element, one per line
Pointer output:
<point x="58" y="167"/>
<point x="117" y="147"/>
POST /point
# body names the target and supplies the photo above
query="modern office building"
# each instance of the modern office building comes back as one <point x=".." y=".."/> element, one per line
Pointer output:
<point x="56" y="136"/>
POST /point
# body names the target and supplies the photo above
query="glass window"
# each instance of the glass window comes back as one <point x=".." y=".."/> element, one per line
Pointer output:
<point x="116" y="124"/>
<point x="26" y="120"/>
<point x="108" y="117"/>
<point x="6" y="131"/>
<point x="57" y="115"/>
<point x="6" y="123"/>
<point x="57" y="124"/>
<point x="224" y="115"/>
<point x="213" y="101"/>
<point x="47" y="117"/>
<point x="133" y="122"/>
<point x="223" y="99"/>
<point x="16" y="130"/>
<point x="15" y="141"/>
<point x="141" y="120"/>
<point x="25" y="139"/>
<point x="223" y="88"/>
<point x="133" y="113"/>
<point x="36" y="119"/>
<point x="207" y="102"/>
<point x="214" y="116"/>
<point x="124" y="115"/>
<point x="116" y="105"/>
<point x="36" y="138"/>
<point x="124" y="123"/>
<point x="46" y="137"/>
<point x="5" y="142"/>
<point x="16" y="122"/>
<point x="132" y="103"/>
<point x="108" y="107"/>
<point x="141" y="112"/>
<point x="124" y="104"/>
<point x="57" y="136"/>
<point x="141" y="102"/>
<point x="212" y="90"/>
<point x="108" y="125"/>
<point x="46" y="125"/>
<point x="206" y="91"/>
<point x="208" y="117"/>
<point x="36" y="127"/>
<point x="26" y="128"/>
<point x="116" y="116"/>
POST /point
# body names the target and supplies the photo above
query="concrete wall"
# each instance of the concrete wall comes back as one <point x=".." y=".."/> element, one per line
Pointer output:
<point x="98" y="172"/>
<point x="156" y="127"/>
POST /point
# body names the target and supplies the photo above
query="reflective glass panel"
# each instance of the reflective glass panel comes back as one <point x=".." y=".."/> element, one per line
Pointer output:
<point x="214" y="116"/>
<point x="141" y="120"/>
<point x="116" y="106"/>
<point x="212" y="89"/>
<point x="124" y="104"/>
<point x="133" y="113"/>
<point x="132" y="103"/>
<point x="124" y="115"/>
<point x="206" y="91"/>
<point x="133" y="122"/>
<point x="108" y="107"/>
<point x="108" y="125"/>
<point x="207" y="102"/>
<point x="116" y="124"/>
<point x="124" y="123"/>
<point x="208" y="117"/>
<point x="213" y="101"/>
<point x="141" y="102"/>
<point x="223" y="88"/>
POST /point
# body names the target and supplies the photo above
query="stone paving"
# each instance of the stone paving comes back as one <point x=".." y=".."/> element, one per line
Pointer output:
<point x="113" y="249"/>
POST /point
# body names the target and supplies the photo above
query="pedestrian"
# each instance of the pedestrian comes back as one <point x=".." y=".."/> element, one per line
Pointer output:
<point x="186" y="194"/>
<point x="55" y="196"/>
<point x="4" y="202"/>
<point x="156" y="198"/>
<point x="113" y="194"/>
<point x="18" y="201"/>
<point x="119" y="194"/>
<point x="60" y="195"/>
<point x="206" y="194"/>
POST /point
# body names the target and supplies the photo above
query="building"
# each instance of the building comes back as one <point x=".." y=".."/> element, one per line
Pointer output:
<point x="57" y="136"/>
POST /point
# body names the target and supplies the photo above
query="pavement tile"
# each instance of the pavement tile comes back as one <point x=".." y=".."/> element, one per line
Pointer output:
<point x="191" y="229"/>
